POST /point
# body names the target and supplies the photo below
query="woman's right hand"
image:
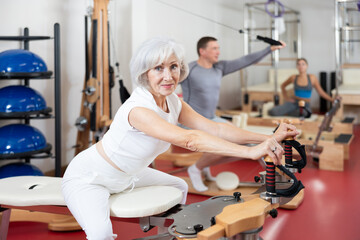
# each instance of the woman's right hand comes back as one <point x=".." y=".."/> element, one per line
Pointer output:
<point x="269" y="147"/>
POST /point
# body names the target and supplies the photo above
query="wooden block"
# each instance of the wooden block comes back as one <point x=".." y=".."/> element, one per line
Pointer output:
<point x="247" y="107"/>
<point x="308" y="125"/>
<point x="105" y="121"/>
<point x="249" y="215"/>
<point x="331" y="138"/>
<point x="237" y="218"/>
<point x="351" y="65"/>
<point x="64" y="223"/>
<point x="331" y="157"/>
<point x="345" y="140"/>
<point x="184" y="162"/>
<point x="212" y="233"/>
<point x="348" y="100"/>
<point x="295" y="202"/>
<point x="56" y="222"/>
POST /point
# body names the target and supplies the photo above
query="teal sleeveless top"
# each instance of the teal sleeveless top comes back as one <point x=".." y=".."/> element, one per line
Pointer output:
<point x="303" y="91"/>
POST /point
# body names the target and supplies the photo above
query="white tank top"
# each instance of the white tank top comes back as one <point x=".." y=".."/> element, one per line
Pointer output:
<point x="130" y="149"/>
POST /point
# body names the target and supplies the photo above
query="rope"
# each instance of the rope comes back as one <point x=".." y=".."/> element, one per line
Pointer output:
<point x="198" y="15"/>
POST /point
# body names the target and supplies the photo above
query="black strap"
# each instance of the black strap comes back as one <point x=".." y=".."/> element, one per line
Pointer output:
<point x="294" y="189"/>
<point x="300" y="164"/>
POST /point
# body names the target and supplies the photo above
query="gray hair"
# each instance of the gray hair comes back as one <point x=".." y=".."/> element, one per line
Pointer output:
<point x="153" y="52"/>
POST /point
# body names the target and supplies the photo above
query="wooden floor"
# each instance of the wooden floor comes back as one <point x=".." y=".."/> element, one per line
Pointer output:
<point x="330" y="209"/>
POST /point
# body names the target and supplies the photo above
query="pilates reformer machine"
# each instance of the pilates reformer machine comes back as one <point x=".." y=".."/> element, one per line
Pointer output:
<point x="227" y="182"/>
<point x="244" y="120"/>
<point x="229" y="217"/>
<point x="326" y="149"/>
<point x="329" y="146"/>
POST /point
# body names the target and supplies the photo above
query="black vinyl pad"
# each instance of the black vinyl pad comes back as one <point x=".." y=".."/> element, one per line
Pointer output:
<point x="343" y="138"/>
<point x="348" y="120"/>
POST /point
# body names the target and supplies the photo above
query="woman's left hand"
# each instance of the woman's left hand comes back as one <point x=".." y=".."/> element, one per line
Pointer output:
<point x="336" y="98"/>
<point x="284" y="131"/>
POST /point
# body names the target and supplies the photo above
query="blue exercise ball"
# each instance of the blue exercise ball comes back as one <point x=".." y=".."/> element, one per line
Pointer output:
<point x="20" y="138"/>
<point x="21" y="61"/>
<point x="20" y="99"/>
<point x="19" y="169"/>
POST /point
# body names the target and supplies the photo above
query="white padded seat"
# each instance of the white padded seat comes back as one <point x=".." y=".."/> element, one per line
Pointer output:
<point x="145" y="201"/>
<point x="351" y="76"/>
<point x="31" y="191"/>
<point x="263" y="87"/>
<point x="283" y="75"/>
<point x="348" y="89"/>
<point x="351" y="83"/>
<point x="40" y="190"/>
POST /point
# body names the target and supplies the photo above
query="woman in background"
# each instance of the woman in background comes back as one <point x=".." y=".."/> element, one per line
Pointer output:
<point x="303" y="85"/>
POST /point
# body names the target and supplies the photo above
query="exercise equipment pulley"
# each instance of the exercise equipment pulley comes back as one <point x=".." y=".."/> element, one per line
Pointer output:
<point x="95" y="104"/>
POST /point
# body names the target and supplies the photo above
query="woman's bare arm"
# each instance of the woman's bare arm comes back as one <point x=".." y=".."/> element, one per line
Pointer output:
<point x="229" y="132"/>
<point x="208" y="137"/>
<point x="322" y="93"/>
<point x="289" y="81"/>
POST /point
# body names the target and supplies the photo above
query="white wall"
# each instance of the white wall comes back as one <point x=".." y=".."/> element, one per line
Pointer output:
<point x="133" y="21"/>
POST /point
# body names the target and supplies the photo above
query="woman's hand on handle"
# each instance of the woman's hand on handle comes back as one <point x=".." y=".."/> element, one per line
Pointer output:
<point x="336" y="98"/>
<point x="269" y="147"/>
<point x="284" y="131"/>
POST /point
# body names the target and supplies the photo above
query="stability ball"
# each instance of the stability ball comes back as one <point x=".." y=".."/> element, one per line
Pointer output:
<point x="21" y="61"/>
<point x="19" y="169"/>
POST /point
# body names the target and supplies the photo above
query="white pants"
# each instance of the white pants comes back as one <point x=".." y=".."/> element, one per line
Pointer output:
<point x="88" y="182"/>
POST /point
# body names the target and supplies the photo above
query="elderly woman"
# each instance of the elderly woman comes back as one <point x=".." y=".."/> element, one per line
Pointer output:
<point x="144" y="127"/>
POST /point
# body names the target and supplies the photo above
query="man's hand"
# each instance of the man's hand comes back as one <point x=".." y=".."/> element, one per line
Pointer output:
<point x="276" y="47"/>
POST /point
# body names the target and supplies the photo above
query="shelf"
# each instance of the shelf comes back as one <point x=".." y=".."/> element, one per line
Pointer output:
<point x="30" y="154"/>
<point x="42" y="114"/>
<point x="17" y="75"/>
<point x="350" y="28"/>
<point x="351" y="65"/>
<point x="24" y="38"/>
